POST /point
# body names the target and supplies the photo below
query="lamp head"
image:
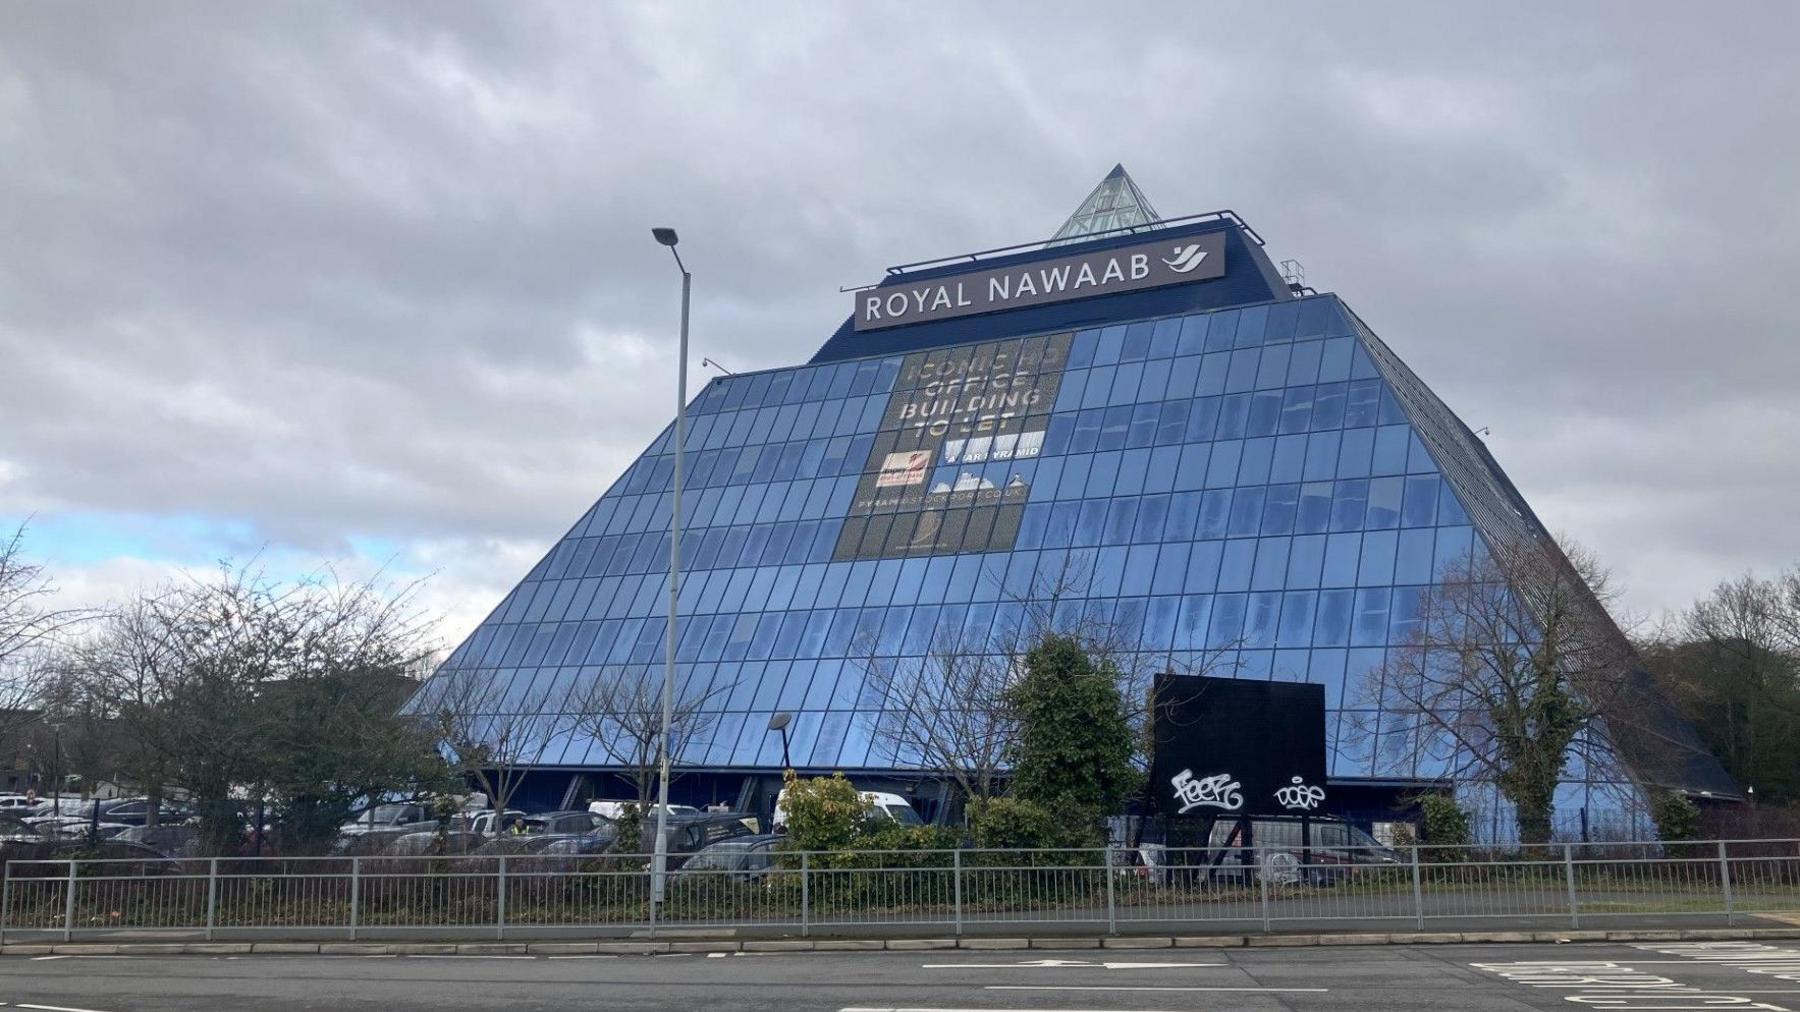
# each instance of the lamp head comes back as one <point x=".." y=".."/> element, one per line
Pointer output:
<point x="780" y="721"/>
<point x="666" y="236"/>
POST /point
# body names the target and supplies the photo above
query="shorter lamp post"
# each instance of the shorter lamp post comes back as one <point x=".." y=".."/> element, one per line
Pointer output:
<point x="780" y="722"/>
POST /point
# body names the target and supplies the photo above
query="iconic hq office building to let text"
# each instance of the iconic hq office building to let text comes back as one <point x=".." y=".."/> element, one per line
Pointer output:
<point x="1236" y="469"/>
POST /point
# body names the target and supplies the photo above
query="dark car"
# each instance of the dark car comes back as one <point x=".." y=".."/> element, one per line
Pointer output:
<point x="688" y="834"/>
<point x="599" y="841"/>
<point x="567" y="823"/>
<point x="176" y="841"/>
<point x="1323" y="852"/>
<point x="136" y="812"/>
<point x="744" y="858"/>
<point x="530" y="834"/>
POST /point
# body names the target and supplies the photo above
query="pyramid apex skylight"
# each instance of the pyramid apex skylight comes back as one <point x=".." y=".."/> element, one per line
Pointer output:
<point x="1115" y="203"/>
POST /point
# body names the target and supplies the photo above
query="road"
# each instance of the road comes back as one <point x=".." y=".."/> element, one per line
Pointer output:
<point x="1389" y="978"/>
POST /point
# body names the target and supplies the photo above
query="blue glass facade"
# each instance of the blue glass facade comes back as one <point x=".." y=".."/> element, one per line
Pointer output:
<point x="1263" y="487"/>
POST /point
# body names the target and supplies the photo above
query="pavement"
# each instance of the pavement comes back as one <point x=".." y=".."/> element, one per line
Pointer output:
<point x="1645" y="975"/>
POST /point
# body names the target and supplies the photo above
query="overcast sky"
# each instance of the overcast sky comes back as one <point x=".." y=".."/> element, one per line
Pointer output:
<point x="374" y="282"/>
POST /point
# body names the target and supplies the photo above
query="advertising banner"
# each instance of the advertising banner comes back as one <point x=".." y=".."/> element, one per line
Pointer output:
<point x="1230" y="747"/>
<point x="942" y="477"/>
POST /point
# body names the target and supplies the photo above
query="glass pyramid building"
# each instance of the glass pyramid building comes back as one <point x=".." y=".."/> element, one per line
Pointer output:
<point x="1232" y="469"/>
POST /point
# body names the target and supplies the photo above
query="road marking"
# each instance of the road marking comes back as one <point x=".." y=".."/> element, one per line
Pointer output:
<point x="450" y="956"/>
<point x="916" y="1008"/>
<point x="1612" y="984"/>
<point x="42" y="959"/>
<point x="581" y="957"/>
<point x="54" y="1008"/>
<point x="1059" y="964"/>
<point x="1147" y="987"/>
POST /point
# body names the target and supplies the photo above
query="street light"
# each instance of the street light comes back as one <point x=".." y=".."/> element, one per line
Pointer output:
<point x="780" y="722"/>
<point x="660" y="864"/>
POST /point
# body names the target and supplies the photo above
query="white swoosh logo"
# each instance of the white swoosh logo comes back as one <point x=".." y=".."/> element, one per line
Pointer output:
<point x="1186" y="258"/>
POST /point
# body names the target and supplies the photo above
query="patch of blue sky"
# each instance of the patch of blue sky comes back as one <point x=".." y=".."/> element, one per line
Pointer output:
<point x="84" y="537"/>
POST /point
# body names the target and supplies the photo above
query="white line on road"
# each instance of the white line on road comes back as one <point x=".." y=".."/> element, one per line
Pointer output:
<point x="54" y="1008"/>
<point x="449" y="956"/>
<point x="1055" y="964"/>
<point x="1145" y="987"/>
<point x="916" y="1008"/>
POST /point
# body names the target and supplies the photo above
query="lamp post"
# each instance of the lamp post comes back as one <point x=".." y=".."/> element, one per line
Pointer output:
<point x="56" y="783"/>
<point x="660" y="863"/>
<point x="780" y="722"/>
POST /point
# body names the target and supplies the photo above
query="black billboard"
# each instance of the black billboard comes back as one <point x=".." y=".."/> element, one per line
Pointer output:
<point x="1228" y="746"/>
<point x="940" y="478"/>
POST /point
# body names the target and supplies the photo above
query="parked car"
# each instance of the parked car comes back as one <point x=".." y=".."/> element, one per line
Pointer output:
<point x="615" y="810"/>
<point x="568" y="823"/>
<point x="432" y="844"/>
<point x="16" y="803"/>
<point x="882" y="805"/>
<point x="136" y="812"/>
<point x="482" y="823"/>
<point x="74" y="827"/>
<point x="13" y="828"/>
<point x="1333" y="851"/>
<point x="599" y="841"/>
<point x="386" y="816"/>
<point x="370" y="843"/>
<point x="176" y="841"/>
<point x="687" y="834"/>
<point x="744" y="858"/>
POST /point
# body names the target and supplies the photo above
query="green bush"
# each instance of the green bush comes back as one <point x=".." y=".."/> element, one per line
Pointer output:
<point x="823" y="813"/>
<point x="1676" y="817"/>
<point x="1074" y="747"/>
<point x="1008" y="823"/>
<point x="1446" y="824"/>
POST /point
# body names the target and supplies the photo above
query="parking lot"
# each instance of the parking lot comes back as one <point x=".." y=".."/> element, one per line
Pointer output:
<point x="1647" y="976"/>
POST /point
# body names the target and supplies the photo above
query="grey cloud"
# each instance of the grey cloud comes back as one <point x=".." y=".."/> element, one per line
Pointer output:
<point x="381" y="271"/>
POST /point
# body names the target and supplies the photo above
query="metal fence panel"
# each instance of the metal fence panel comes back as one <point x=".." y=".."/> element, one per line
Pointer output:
<point x="1195" y="891"/>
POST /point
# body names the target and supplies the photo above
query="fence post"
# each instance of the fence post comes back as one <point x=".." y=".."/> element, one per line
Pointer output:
<point x="1725" y="882"/>
<point x="1112" y="916"/>
<point x="1569" y="880"/>
<point x="5" y="896"/>
<point x="212" y="895"/>
<point x="957" y="875"/>
<point x="655" y="899"/>
<point x="1418" y="893"/>
<point x="500" y="902"/>
<point x="1262" y="879"/>
<point x="355" y="895"/>
<point x="805" y="894"/>
<point x="69" y="904"/>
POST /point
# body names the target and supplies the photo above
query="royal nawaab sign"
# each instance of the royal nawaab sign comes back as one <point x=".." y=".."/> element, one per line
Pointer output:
<point x="1104" y="272"/>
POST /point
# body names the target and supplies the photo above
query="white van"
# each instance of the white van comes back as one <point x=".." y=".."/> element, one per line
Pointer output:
<point x="889" y="807"/>
<point x="615" y="810"/>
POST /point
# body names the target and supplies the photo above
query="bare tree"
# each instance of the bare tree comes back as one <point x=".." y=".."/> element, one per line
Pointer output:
<point x="947" y="712"/>
<point x="486" y="740"/>
<point x="235" y="686"/>
<point x="1513" y="663"/>
<point x="620" y="710"/>
<point x="30" y="630"/>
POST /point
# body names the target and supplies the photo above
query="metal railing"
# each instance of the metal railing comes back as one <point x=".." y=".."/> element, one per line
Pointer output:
<point x="1112" y="890"/>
